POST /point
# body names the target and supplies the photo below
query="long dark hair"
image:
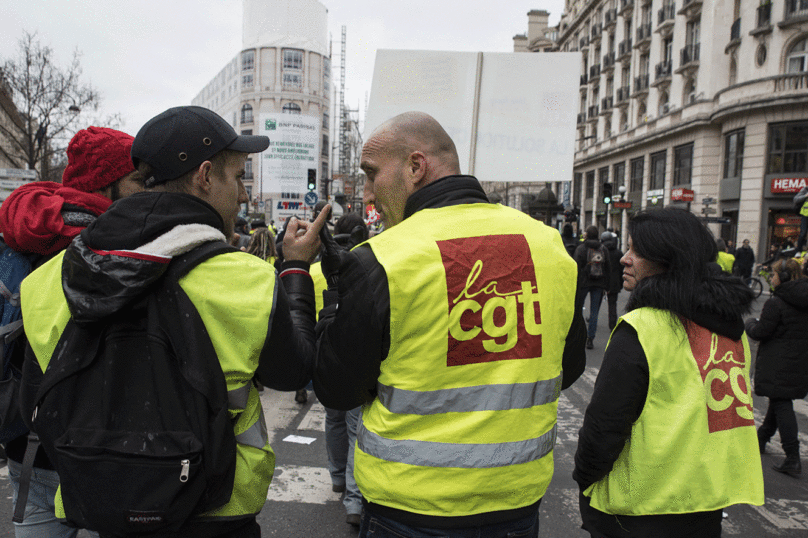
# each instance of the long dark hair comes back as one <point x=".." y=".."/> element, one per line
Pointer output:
<point x="691" y="281"/>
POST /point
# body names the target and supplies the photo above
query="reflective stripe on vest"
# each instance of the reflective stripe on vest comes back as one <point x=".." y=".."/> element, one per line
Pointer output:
<point x="256" y="435"/>
<point x="238" y="398"/>
<point x="456" y="455"/>
<point x="465" y="399"/>
<point x="694" y="447"/>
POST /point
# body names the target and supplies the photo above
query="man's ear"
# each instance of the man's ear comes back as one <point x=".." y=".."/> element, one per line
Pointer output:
<point x="202" y="177"/>
<point x="417" y="168"/>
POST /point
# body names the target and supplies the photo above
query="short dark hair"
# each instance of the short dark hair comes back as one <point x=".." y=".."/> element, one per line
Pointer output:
<point x="183" y="183"/>
<point x="592" y="232"/>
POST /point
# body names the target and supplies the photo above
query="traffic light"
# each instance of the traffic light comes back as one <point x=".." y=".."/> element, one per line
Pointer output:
<point x="312" y="179"/>
<point x="607" y="193"/>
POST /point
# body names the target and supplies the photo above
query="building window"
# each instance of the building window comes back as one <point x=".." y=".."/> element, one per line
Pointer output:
<point x="246" y="131"/>
<point x="682" y="164"/>
<point x="324" y="152"/>
<point x="590" y="184"/>
<point x="292" y="81"/>
<point x="576" y="189"/>
<point x="603" y="177"/>
<point x="247" y="80"/>
<point x="619" y="178"/>
<point x="246" y="114"/>
<point x="733" y="153"/>
<point x="327" y="67"/>
<point x="788" y="148"/>
<point x="326" y="120"/>
<point x="291" y="108"/>
<point x="637" y="166"/>
<point x="247" y="60"/>
<point x="796" y="61"/>
<point x="292" y="59"/>
<point x="657" y="171"/>
<point x="248" y="169"/>
<point x="248" y="188"/>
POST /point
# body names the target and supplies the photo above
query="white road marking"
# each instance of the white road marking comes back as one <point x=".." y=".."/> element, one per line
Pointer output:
<point x="314" y="419"/>
<point x="280" y="410"/>
<point x="300" y="484"/>
<point x="298" y="439"/>
<point x="785" y="513"/>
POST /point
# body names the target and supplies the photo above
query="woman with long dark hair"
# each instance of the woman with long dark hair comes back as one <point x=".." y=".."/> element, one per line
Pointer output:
<point x="668" y="439"/>
<point x="781" y="368"/>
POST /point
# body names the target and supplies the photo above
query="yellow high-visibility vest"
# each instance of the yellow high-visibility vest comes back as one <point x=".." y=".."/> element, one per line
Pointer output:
<point x="481" y="301"/>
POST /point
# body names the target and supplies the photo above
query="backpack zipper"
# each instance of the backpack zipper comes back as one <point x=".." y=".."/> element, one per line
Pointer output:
<point x="186" y="468"/>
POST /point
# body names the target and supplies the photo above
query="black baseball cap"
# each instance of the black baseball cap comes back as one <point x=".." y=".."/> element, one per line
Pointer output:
<point x="181" y="138"/>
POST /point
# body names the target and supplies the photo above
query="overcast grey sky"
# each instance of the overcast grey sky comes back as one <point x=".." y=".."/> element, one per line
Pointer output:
<point x="149" y="55"/>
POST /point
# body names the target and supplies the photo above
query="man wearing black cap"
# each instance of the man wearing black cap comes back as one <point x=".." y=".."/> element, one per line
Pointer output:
<point x="192" y="162"/>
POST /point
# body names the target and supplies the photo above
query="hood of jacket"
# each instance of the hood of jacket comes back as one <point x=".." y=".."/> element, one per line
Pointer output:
<point x="43" y="217"/>
<point x="721" y="303"/>
<point x="118" y="258"/>
<point x="593" y="243"/>
<point x="794" y="292"/>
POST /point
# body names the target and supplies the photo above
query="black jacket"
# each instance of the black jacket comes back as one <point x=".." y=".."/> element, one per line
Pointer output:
<point x="618" y="401"/>
<point x="351" y="347"/>
<point x="615" y="267"/>
<point x="581" y="257"/>
<point x="744" y="260"/>
<point x="781" y="368"/>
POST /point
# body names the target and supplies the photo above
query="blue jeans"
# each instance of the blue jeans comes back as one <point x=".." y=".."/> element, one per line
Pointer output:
<point x="375" y="526"/>
<point x="40" y="518"/>
<point x="595" y="298"/>
<point x="340" y="438"/>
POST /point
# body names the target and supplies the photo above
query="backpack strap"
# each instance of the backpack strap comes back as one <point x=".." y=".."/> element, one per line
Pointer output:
<point x="25" y="477"/>
<point x="181" y="265"/>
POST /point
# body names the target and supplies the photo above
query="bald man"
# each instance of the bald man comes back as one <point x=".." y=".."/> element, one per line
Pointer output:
<point x="456" y="329"/>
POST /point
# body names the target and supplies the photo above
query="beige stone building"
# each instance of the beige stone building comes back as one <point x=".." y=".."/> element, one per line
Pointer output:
<point x="691" y="99"/>
<point x="283" y="67"/>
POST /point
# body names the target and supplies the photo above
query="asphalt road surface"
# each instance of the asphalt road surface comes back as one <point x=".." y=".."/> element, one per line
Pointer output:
<point x="301" y="504"/>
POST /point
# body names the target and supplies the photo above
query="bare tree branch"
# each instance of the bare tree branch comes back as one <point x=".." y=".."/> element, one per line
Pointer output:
<point x="53" y="101"/>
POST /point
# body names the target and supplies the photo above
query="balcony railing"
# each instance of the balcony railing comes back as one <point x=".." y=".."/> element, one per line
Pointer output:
<point x="622" y="94"/>
<point x="584" y="79"/>
<point x="606" y="103"/>
<point x="795" y="81"/>
<point x="641" y="83"/>
<point x="583" y="42"/>
<point x="609" y="17"/>
<point x="608" y="60"/>
<point x="663" y="70"/>
<point x="625" y="5"/>
<point x="624" y="47"/>
<point x="796" y="8"/>
<point x="690" y="53"/>
<point x="594" y="71"/>
<point x="667" y="13"/>
<point x="643" y="32"/>
<point x="764" y="15"/>
<point x="735" y="31"/>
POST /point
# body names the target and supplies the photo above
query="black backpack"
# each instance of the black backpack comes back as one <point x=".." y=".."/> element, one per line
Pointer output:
<point x="133" y="413"/>
<point x="594" y="263"/>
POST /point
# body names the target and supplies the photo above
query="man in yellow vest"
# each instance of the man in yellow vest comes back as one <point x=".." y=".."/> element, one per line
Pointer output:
<point x="669" y="439"/>
<point x="456" y="329"/>
<point x="192" y="162"/>
<point x="724" y="258"/>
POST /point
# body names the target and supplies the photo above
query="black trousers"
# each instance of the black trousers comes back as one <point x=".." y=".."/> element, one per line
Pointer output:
<point x="780" y="416"/>
<point x="612" y="297"/>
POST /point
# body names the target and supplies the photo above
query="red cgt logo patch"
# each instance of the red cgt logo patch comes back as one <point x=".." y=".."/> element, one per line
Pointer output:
<point x="721" y="362"/>
<point x="494" y="311"/>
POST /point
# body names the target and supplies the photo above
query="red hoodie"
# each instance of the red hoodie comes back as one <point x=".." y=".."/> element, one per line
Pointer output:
<point x="31" y="217"/>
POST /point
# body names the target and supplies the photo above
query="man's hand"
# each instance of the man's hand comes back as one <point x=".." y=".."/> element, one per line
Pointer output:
<point x="301" y="241"/>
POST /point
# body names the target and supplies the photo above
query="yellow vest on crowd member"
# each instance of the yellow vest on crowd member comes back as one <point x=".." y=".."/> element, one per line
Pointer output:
<point x="694" y="447"/>
<point x="320" y="285"/>
<point x="481" y="301"/>
<point x="726" y="261"/>
<point x="804" y="209"/>
<point x="212" y="289"/>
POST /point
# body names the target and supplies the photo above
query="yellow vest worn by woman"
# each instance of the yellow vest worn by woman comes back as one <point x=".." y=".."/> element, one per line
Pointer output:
<point x="694" y="447"/>
<point x="481" y="300"/>
<point x="216" y="294"/>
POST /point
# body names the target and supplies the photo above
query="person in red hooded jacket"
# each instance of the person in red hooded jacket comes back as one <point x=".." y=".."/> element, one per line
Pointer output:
<point x="40" y="219"/>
